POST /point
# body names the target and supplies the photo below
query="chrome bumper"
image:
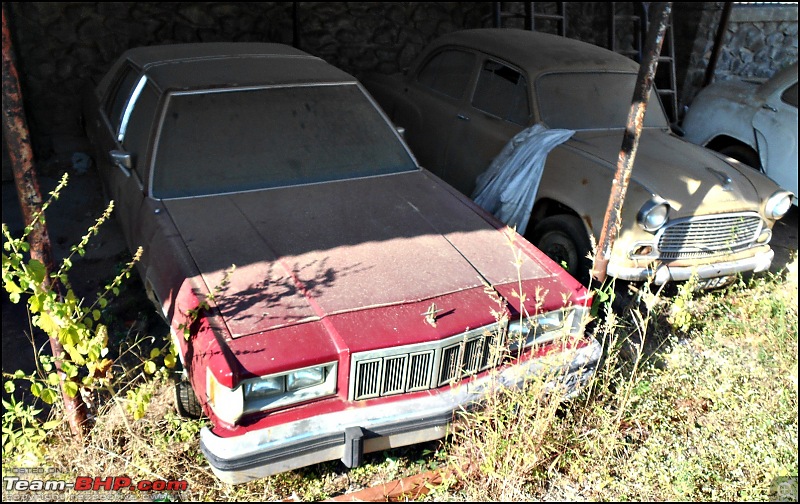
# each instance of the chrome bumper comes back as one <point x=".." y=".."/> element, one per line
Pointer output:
<point x="664" y="273"/>
<point x="350" y="433"/>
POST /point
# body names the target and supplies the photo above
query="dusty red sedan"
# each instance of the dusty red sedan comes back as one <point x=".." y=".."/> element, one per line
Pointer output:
<point x="328" y="296"/>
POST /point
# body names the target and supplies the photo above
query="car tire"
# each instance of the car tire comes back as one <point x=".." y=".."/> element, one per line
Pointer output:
<point x="563" y="238"/>
<point x="742" y="153"/>
<point x="186" y="401"/>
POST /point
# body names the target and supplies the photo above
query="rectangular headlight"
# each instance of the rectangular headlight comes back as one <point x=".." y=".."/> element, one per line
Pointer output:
<point x="546" y="327"/>
<point x="264" y="387"/>
<point x="305" y="378"/>
<point x="273" y="391"/>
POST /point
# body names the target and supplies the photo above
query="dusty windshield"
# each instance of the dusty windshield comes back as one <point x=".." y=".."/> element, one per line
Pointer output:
<point x="240" y="140"/>
<point x="586" y="100"/>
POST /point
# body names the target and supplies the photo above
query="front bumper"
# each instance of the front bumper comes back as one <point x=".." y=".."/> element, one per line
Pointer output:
<point x="660" y="274"/>
<point x="350" y="433"/>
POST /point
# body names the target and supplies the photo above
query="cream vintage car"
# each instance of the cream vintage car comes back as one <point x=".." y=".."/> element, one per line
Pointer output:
<point x="688" y="210"/>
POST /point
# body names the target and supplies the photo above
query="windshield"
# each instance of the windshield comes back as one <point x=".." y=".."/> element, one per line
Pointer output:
<point x="216" y="142"/>
<point x="586" y="100"/>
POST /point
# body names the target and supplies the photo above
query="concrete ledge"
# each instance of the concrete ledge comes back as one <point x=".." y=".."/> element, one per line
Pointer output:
<point x="754" y="13"/>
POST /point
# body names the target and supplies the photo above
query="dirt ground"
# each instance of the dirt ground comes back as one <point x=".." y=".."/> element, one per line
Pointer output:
<point x="82" y="202"/>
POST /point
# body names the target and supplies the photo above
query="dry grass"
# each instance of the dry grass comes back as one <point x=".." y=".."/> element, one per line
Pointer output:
<point x="697" y="400"/>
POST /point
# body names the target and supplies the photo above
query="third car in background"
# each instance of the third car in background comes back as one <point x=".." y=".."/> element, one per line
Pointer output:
<point x="753" y="122"/>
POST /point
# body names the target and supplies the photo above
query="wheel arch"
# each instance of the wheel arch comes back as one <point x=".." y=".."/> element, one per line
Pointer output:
<point x="548" y="207"/>
<point x="723" y="142"/>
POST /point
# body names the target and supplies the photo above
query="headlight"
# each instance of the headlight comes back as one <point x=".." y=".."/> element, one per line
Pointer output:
<point x="305" y="378"/>
<point x="547" y="327"/>
<point x="269" y="392"/>
<point x="264" y="387"/>
<point x="653" y="214"/>
<point x="228" y="404"/>
<point x="273" y="391"/>
<point x="778" y="204"/>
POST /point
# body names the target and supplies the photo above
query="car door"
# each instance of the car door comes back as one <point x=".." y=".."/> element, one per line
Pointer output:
<point x="435" y="94"/>
<point x="776" y="127"/>
<point x="105" y="130"/>
<point x="498" y="109"/>
<point x="130" y="110"/>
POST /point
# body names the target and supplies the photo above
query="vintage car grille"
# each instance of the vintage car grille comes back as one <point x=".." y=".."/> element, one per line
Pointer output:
<point x="423" y="366"/>
<point x="708" y="236"/>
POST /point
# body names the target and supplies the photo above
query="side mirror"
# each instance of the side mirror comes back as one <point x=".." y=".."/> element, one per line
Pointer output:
<point x="122" y="160"/>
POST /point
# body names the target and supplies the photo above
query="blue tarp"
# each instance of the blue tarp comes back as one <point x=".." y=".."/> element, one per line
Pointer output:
<point x="507" y="189"/>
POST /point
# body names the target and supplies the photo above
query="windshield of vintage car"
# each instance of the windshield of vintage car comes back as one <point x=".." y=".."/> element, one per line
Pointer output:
<point x="222" y="141"/>
<point x="585" y="100"/>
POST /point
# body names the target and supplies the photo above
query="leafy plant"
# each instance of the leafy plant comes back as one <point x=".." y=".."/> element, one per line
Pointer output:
<point x="86" y="365"/>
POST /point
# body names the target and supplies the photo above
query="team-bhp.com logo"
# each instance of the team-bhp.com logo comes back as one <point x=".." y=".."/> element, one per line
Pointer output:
<point x="86" y="483"/>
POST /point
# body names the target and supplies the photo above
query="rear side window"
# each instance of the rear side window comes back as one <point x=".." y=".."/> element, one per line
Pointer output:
<point x="448" y="72"/>
<point x="502" y="92"/>
<point x="790" y="95"/>
<point x="118" y="98"/>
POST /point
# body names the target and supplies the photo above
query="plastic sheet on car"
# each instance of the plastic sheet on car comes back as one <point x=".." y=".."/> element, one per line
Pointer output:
<point x="507" y="189"/>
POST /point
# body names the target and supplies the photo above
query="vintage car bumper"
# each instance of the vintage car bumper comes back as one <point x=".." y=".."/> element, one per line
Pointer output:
<point x="350" y="433"/>
<point x="663" y="273"/>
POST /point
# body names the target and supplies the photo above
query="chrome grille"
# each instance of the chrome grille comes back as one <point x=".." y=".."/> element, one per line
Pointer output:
<point x="422" y="366"/>
<point x="394" y="375"/>
<point x="448" y="371"/>
<point x="368" y="378"/>
<point x="419" y="375"/>
<point x="708" y="236"/>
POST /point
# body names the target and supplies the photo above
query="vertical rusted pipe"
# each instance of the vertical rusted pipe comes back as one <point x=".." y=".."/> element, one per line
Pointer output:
<point x="630" y="141"/>
<point x="15" y="130"/>
<point x="721" y="29"/>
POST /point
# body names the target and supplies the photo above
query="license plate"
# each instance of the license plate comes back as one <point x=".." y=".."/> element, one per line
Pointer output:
<point x="714" y="283"/>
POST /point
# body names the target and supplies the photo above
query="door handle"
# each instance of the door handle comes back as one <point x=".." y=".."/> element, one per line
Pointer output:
<point x="463" y="117"/>
<point x="767" y="106"/>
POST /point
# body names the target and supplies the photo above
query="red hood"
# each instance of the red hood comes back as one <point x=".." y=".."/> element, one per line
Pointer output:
<point x="302" y="253"/>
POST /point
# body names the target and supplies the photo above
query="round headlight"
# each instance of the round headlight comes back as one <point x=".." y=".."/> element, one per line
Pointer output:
<point x="778" y="204"/>
<point x="653" y="214"/>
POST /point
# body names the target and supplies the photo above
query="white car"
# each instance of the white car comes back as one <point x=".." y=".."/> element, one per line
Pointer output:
<point x="755" y="123"/>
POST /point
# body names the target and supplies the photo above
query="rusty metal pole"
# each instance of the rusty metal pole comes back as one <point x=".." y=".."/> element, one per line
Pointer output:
<point x="630" y="141"/>
<point x="15" y="130"/>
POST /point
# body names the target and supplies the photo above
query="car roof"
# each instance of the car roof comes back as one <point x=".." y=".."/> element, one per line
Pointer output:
<point x="226" y="64"/>
<point x="537" y="52"/>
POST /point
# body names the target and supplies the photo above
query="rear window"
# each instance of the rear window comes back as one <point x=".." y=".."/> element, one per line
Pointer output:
<point x="240" y="140"/>
<point x="448" y="72"/>
<point x="584" y="100"/>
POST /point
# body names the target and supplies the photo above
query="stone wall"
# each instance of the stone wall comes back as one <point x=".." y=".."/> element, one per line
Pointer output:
<point x="760" y="39"/>
<point x="63" y="47"/>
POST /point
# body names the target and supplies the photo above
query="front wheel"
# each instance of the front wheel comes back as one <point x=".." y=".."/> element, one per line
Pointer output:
<point x="186" y="401"/>
<point x="563" y="239"/>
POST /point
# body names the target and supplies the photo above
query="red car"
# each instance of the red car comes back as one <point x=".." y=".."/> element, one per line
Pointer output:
<point x="328" y="296"/>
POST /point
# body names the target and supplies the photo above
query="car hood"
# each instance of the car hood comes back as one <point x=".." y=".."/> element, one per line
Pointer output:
<point x="302" y="253"/>
<point x="693" y="179"/>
